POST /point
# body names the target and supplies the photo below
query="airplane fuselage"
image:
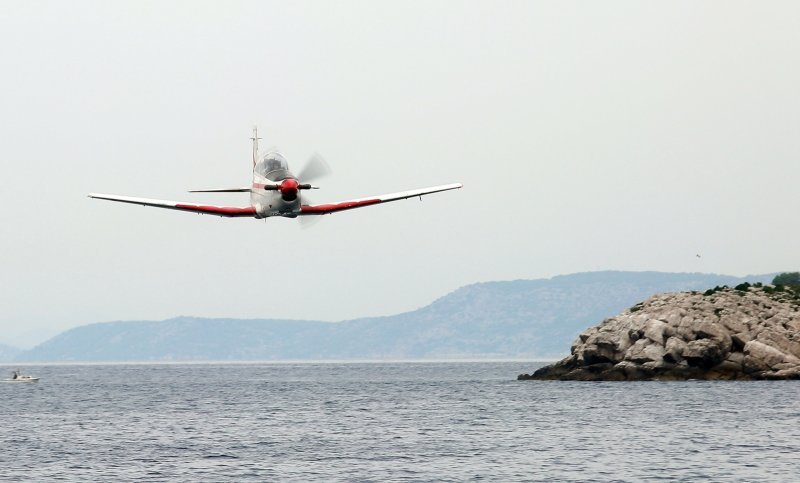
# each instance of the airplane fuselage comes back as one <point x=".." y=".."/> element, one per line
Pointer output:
<point x="283" y="200"/>
<point x="272" y="203"/>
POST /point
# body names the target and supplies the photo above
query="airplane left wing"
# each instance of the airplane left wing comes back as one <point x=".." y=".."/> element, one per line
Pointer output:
<point x="227" y="211"/>
<point x="246" y="189"/>
<point x="373" y="200"/>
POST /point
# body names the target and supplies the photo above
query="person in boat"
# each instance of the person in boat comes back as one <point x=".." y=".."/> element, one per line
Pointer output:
<point x="14" y="375"/>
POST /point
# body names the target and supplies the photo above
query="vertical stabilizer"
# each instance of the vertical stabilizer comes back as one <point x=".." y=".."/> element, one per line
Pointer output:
<point x="255" y="139"/>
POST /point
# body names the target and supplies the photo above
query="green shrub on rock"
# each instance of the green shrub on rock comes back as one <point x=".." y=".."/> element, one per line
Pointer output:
<point x="787" y="278"/>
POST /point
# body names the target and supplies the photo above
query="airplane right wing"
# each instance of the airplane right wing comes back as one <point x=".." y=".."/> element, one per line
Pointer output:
<point x="227" y="211"/>
<point x="373" y="200"/>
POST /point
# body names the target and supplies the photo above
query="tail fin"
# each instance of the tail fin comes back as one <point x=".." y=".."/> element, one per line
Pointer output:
<point x="255" y="139"/>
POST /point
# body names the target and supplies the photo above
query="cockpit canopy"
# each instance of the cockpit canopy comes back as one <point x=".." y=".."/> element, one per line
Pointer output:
<point x="272" y="166"/>
<point x="274" y="161"/>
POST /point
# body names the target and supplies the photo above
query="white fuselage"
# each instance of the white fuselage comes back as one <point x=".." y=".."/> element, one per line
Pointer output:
<point x="271" y="203"/>
<point x="273" y="169"/>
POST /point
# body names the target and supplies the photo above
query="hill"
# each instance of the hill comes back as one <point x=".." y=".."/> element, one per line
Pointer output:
<point x="513" y="319"/>
<point x="8" y="353"/>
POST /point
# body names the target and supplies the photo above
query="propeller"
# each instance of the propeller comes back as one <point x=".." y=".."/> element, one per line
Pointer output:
<point x="315" y="168"/>
<point x="308" y="221"/>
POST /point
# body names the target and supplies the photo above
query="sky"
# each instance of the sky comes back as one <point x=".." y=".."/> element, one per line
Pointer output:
<point x="619" y="135"/>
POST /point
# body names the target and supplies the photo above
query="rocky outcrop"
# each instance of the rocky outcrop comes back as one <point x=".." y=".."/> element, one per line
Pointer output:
<point x="750" y="332"/>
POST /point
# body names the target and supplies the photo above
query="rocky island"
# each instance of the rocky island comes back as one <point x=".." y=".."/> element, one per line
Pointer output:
<point x="743" y="333"/>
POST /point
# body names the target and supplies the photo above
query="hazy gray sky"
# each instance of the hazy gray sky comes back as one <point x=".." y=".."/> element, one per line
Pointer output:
<point x="589" y="135"/>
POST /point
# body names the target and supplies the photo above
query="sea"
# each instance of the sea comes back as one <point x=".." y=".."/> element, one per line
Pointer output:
<point x="388" y="421"/>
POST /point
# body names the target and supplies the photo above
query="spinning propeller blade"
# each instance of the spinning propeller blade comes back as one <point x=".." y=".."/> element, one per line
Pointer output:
<point x="315" y="168"/>
<point x="307" y="222"/>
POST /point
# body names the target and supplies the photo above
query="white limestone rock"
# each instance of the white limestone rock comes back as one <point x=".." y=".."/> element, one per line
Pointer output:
<point x="645" y="350"/>
<point x="728" y="334"/>
<point x="655" y="330"/>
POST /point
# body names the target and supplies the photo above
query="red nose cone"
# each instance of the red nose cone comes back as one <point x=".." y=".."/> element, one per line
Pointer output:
<point x="288" y="189"/>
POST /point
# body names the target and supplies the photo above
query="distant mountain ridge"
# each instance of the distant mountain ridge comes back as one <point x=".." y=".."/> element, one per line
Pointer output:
<point x="511" y="319"/>
<point x="8" y="353"/>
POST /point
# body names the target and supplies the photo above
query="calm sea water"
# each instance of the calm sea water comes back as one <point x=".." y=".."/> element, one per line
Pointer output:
<point x="389" y="422"/>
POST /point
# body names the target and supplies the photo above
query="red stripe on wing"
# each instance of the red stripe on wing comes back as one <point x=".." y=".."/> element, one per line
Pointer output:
<point x="219" y="210"/>
<point x="331" y="207"/>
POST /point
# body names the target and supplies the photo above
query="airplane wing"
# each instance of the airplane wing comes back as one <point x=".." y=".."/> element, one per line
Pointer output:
<point x="373" y="200"/>
<point x="246" y="189"/>
<point x="228" y="211"/>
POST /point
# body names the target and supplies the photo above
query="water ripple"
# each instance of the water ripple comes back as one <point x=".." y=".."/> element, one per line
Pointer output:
<point x="397" y="422"/>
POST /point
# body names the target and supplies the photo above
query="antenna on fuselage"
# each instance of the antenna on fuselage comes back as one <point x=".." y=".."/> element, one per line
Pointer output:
<point x="255" y="139"/>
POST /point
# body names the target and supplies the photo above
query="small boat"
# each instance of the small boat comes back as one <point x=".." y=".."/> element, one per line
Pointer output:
<point x="17" y="376"/>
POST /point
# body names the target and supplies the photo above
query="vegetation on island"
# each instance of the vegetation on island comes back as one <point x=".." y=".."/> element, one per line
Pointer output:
<point x="791" y="279"/>
<point x="787" y="282"/>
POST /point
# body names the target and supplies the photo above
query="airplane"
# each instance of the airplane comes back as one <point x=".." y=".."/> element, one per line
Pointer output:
<point x="275" y="191"/>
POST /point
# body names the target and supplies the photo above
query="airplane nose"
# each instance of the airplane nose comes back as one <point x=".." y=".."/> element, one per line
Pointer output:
<point x="288" y="189"/>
